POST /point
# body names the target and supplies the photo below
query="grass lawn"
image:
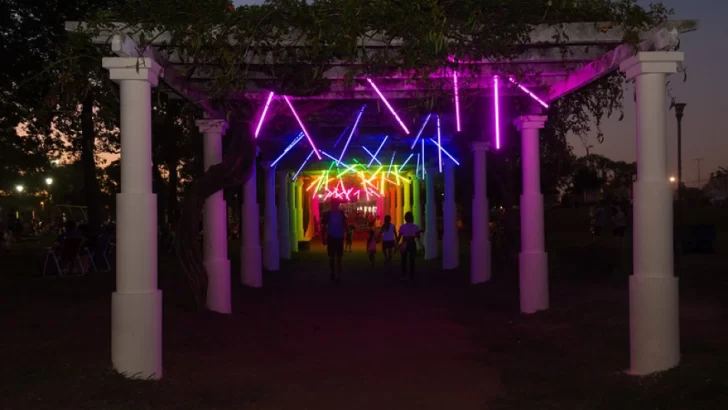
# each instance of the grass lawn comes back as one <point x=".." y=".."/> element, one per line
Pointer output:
<point x="373" y="342"/>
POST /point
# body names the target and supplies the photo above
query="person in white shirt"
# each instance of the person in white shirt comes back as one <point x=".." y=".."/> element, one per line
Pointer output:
<point x="388" y="235"/>
<point x="409" y="233"/>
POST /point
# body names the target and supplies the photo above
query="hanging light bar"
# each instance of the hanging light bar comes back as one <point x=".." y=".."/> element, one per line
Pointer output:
<point x="496" y="100"/>
<point x="265" y="111"/>
<point x="303" y="127"/>
<point x="422" y="128"/>
<point x="351" y="134"/>
<point x="377" y="153"/>
<point x="531" y="94"/>
<point x="457" y="100"/>
<point x="374" y="86"/>
<point x="288" y="148"/>
<point x="439" y="144"/>
<point x="372" y="155"/>
<point x="417" y="169"/>
<point x="391" y="162"/>
<point x="302" y="165"/>
<point x="341" y="136"/>
<point x="423" y="158"/>
<point x="445" y="151"/>
<point x="405" y="162"/>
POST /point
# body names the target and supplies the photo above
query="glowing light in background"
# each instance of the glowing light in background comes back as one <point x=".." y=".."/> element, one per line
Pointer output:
<point x="391" y="161"/>
<point x="457" y="100"/>
<point x="377" y="153"/>
<point x="265" y="111"/>
<point x="351" y="134"/>
<point x="371" y="155"/>
<point x="399" y="169"/>
<point x="303" y="127"/>
<point x="439" y="143"/>
<point x="417" y="169"/>
<point x="445" y="151"/>
<point x="422" y="128"/>
<point x="288" y="148"/>
<point x="496" y="99"/>
<point x="302" y="165"/>
<point x="531" y="94"/>
<point x="423" y="158"/>
<point x="374" y="86"/>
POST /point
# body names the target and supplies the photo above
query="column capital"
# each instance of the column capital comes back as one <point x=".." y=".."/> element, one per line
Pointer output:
<point x="655" y="62"/>
<point x="530" y="121"/>
<point x="482" y="146"/>
<point x="133" y="68"/>
<point x="210" y="126"/>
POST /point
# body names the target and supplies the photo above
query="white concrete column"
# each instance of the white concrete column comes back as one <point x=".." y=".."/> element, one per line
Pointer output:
<point x="284" y="230"/>
<point x="214" y="224"/>
<point x="251" y="269"/>
<point x="431" y="239"/>
<point x="653" y="288"/>
<point x="136" y="305"/>
<point x="299" y="210"/>
<point x="292" y="214"/>
<point x="417" y="201"/>
<point x="271" y="247"/>
<point x="533" y="260"/>
<point x="480" y="249"/>
<point x="450" y="248"/>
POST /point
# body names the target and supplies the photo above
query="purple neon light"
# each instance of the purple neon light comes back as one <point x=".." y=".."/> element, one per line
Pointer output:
<point x="265" y="111"/>
<point x="457" y="100"/>
<point x="439" y="143"/>
<point x="351" y="134"/>
<point x="404" y="127"/>
<point x="496" y="99"/>
<point x="377" y="153"/>
<point x="531" y="94"/>
<point x="423" y="158"/>
<point x="303" y="127"/>
<point x="422" y="128"/>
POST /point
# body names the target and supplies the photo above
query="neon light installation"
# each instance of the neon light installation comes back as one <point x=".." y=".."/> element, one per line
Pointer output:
<point x="390" y="163"/>
<point x="303" y="127"/>
<point x="377" y="153"/>
<point x="527" y="91"/>
<point x="496" y="104"/>
<point x="371" y="155"/>
<point x="417" y="169"/>
<point x="422" y="128"/>
<point x="351" y="134"/>
<point x="302" y="165"/>
<point x="457" y="100"/>
<point x="341" y="136"/>
<point x="439" y="143"/>
<point x="399" y="169"/>
<point x="288" y="148"/>
<point x="265" y="111"/>
<point x="423" y="158"/>
<point x="404" y="127"/>
<point x="445" y="151"/>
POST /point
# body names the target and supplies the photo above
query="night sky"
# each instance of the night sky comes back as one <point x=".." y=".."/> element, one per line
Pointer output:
<point x="704" y="132"/>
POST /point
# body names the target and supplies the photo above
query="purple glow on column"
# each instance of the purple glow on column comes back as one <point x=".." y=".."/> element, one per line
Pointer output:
<point x="496" y="104"/>
<point x="265" y="111"/>
<point x="391" y="162"/>
<point x="457" y="100"/>
<point x="303" y="127"/>
<point x="423" y="158"/>
<point x="377" y="153"/>
<point x="288" y="148"/>
<point x="439" y="143"/>
<point x="351" y="134"/>
<point x="422" y="128"/>
<point x="531" y="94"/>
<point x="302" y="165"/>
<point x="404" y="127"/>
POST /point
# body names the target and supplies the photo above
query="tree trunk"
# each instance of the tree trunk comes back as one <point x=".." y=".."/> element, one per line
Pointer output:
<point x="88" y="159"/>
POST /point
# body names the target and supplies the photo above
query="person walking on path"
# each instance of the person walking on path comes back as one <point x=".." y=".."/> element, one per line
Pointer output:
<point x="388" y="236"/>
<point x="409" y="233"/>
<point x="334" y="223"/>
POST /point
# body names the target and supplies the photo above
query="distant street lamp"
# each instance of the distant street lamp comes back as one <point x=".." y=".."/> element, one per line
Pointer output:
<point x="19" y="188"/>
<point x="672" y="179"/>
<point x="49" y="181"/>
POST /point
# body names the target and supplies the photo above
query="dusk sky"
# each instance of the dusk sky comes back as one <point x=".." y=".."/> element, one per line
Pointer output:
<point x="704" y="134"/>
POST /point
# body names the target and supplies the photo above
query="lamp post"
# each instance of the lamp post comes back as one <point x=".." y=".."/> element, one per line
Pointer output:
<point x="679" y="108"/>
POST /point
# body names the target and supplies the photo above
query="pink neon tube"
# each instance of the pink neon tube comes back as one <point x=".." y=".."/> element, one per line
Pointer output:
<point x="303" y="127"/>
<point x="496" y="104"/>
<point x="530" y="94"/>
<point x="262" y="116"/>
<point x="457" y="100"/>
<point x="379" y="93"/>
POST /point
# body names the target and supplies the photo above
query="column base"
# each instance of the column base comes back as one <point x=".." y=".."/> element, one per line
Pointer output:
<point x="251" y="270"/>
<point x="218" y="286"/>
<point x="285" y="247"/>
<point x="136" y="334"/>
<point x="533" y="281"/>
<point x="271" y="260"/>
<point x="654" y="324"/>
<point x="294" y="242"/>
<point x="480" y="267"/>
<point x="450" y="252"/>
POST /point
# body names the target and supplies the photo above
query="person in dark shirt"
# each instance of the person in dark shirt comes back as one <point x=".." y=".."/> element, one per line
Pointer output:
<point x="335" y="227"/>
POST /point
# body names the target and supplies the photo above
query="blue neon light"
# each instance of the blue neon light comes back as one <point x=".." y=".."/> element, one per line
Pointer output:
<point x="439" y="143"/>
<point x="302" y="165"/>
<point x="391" y="162"/>
<point x="351" y="134"/>
<point x="445" y="151"/>
<point x="378" y="149"/>
<point x="288" y="148"/>
<point x="371" y="155"/>
<point x="422" y="128"/>
<point x="405" y="162"/>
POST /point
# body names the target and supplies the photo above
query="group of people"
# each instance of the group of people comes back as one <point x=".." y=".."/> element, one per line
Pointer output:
<point x="338" y="235"/>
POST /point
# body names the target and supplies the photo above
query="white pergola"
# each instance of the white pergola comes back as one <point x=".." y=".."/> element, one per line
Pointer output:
<point x="591" y="52"/>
